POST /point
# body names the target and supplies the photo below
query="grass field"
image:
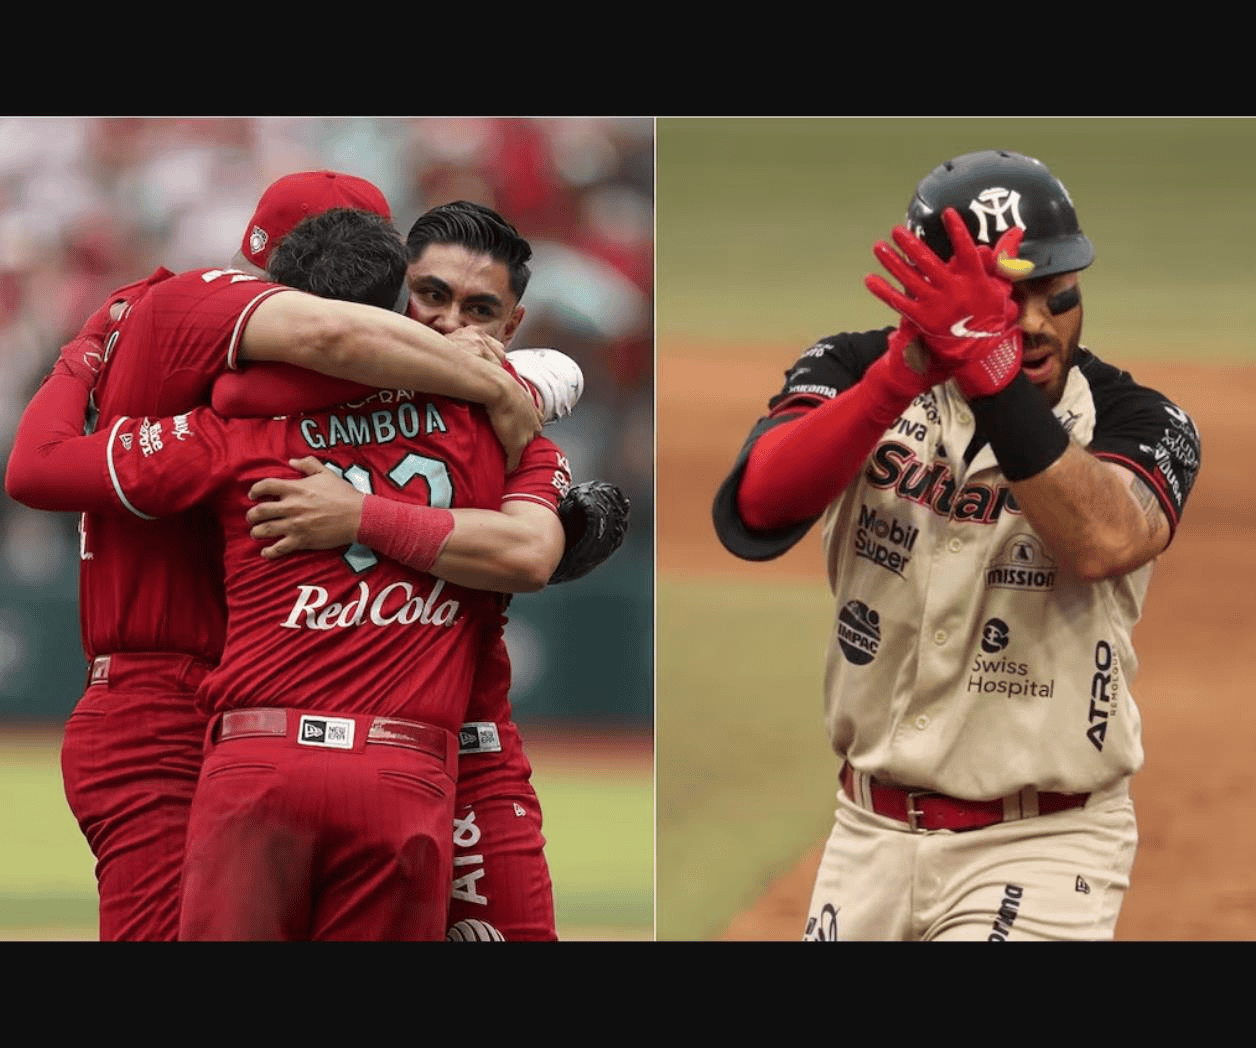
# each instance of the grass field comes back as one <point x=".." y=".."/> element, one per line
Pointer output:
<point x="741" y="751"/>
<point x="598" y="822"/>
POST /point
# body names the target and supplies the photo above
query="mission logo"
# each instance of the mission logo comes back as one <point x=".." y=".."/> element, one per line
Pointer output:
<point x="1022" y="564"/>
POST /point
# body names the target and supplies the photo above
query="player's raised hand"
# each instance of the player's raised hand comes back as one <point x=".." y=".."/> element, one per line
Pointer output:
<point x="963" y="307"/>
<point x="950" y="302"/>
<point x="317" y="511"/>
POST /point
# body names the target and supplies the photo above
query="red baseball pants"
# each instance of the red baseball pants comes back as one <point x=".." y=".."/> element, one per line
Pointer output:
<point x="335" y="829"/>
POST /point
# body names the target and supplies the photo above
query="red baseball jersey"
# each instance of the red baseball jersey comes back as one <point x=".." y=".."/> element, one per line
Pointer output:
<point x="544" y="476"/>
<point x="342" y="630"/>
<point x="157" y="585"/>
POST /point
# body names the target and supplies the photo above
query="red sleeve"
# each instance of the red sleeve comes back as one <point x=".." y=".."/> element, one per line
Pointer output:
<point x="264" y="390"/>
<point x="158" y="467"/>
<point x="543" y="475"/>
<point x="52" y="465"/>
<point x="797" y="468"/>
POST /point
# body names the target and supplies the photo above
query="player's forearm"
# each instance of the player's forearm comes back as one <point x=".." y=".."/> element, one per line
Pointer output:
<point x="52" y="465"/>
<point x="1083" y="509"/>
<point x="485" y="549"/>
<point x="798" y="468"/>
<point x="495" y="551"/>
<point x="370" y="346"/>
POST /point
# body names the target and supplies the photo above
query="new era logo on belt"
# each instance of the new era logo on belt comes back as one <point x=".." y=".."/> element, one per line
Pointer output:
<point x="479" y="737"/>
<point x="335" y="732"/>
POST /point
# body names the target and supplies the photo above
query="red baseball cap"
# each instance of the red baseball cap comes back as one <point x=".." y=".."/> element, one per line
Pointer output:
<point x="295" y="197"/>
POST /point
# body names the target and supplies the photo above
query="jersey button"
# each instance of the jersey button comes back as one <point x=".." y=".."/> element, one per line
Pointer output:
<point x="964" y="418"/>
<point x="939" y="637"/>
<point x="955" y="545"/>
<point x="922" y="722"/>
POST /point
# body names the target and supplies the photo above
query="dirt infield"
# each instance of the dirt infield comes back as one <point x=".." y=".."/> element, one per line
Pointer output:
<point x="1192" y="878"/>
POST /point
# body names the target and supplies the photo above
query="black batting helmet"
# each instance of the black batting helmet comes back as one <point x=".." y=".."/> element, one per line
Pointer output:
<point x="994" y="190"/>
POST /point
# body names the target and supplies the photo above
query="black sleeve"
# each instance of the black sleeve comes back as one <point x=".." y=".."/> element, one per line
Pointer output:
<point x="822" y="372"/>
<point x="1145" y="432"/>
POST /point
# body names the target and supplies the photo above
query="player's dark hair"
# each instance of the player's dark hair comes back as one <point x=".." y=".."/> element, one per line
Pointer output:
<point x="477" y="228"/>
<point x="344" y="253"/>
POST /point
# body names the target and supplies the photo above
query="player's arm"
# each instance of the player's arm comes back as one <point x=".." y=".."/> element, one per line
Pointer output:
<point x="384" y="350"/>
<point x="1107" y="509"/>
<point x="46" y="470"/>
<point x="268" y="389"/>
<point x="1099" y="519"/>
<point x="52" y="465"/>
<point x="512" y="550"/>
<point x="837" y="402"/>
<point x="146" y="467"/>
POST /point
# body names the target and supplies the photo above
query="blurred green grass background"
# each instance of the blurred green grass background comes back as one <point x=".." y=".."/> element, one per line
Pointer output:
<point x="765" y="227"/>
<point x="764" y="231"/>
<point x="599" y="825"/>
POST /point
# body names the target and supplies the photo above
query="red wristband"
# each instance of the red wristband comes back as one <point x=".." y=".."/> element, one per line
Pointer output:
<point x="411" y="534"/>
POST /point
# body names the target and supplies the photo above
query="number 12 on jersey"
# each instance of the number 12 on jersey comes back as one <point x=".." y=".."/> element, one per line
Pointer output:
<point x="440" y="495"/>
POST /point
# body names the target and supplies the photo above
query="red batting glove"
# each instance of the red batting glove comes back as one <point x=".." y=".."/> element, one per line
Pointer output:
<point x="963" y="308"/>
<point x="892" y="382"/>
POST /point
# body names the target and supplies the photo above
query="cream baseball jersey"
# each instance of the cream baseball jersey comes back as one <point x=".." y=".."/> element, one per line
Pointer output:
<point x="962" y="658"/>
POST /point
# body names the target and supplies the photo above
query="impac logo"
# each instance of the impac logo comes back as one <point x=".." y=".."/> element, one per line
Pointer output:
<point x="1022" y="564"/>
<point x="858" y="632"/>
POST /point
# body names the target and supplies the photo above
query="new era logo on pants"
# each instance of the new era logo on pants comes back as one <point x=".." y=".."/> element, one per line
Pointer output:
<point x="334" y="732"/>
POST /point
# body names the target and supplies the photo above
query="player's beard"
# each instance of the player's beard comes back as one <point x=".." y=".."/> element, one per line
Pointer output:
<point x="1064" y="355"/>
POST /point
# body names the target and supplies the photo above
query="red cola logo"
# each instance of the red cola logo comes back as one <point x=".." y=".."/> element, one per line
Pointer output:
<point x="399" y="603"/>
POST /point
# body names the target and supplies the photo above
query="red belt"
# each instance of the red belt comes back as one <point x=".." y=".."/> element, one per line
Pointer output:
<point x="309" y="728"/>
<point x="927" y="810"/>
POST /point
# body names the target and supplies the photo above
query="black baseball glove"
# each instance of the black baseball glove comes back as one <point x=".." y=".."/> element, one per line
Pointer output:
<point x="595" y="520"/>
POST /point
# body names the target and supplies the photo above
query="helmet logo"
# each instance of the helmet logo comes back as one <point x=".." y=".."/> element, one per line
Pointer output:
<point x="257" y="240"/>
<point x="997" y="203"/>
